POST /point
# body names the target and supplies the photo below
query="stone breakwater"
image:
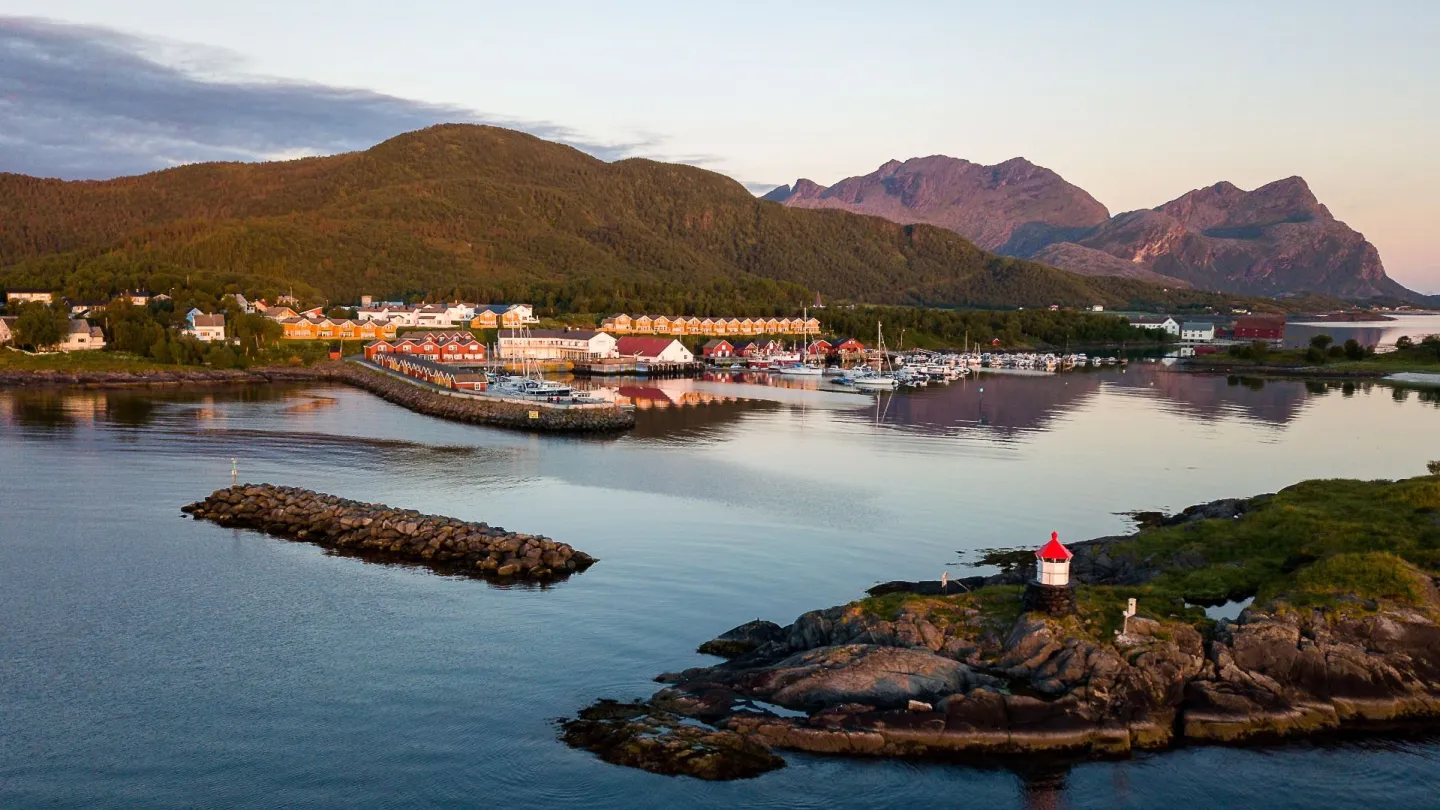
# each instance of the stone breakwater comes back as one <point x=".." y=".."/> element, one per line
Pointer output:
<point x="428" y="401"/>
<point x="367" y="529"/>
<point x="485" y="411"/>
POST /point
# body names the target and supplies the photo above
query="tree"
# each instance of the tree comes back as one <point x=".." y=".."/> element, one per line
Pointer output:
<point x="41" y="327"/>
<point x="1353" y="350"/>
<point x="1404" y="342"/>
<point x="1321" y="342"/>
<point x="1433" y="467"/>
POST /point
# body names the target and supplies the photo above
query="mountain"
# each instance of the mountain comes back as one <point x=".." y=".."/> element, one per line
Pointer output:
<point x="492" y="213"/>
<point x="1276" y="240"/>
<point x="985" y="204"/>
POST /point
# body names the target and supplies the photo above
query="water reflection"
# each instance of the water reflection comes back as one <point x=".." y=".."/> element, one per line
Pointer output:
<point x="1376" y="333"/>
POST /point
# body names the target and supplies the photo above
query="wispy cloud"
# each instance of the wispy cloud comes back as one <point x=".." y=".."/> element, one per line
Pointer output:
<point x="86" y="102"/>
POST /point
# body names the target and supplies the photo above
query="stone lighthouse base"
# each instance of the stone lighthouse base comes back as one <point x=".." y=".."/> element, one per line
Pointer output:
<point x="1056" y="600"/>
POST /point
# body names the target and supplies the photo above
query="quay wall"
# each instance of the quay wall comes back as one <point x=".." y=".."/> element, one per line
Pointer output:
<point x="445" y="544"/>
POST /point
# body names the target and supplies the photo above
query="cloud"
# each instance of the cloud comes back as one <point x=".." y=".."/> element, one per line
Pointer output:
<point x="87" y="102"/>
<point x="761" y="189"/>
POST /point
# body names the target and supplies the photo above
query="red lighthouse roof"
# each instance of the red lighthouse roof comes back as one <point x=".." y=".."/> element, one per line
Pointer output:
<point x="1053" y="550"/>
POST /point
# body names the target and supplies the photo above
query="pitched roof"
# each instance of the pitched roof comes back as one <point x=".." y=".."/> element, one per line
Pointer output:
<point x="571" y="334"/>
<point x="1053" y="550"/>
<point x="209" y="320"/>
<point x="1197" y="326"/>
<point x="647" y="346"/>
<point x="715" y="343"/>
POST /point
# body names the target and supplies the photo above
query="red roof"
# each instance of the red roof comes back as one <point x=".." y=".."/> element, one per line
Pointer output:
<point x="642" y="346"/>
<point x="1053" y="550"/>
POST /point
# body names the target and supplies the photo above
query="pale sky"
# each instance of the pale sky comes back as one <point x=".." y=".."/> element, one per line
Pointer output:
<point x="1136" y="102"/>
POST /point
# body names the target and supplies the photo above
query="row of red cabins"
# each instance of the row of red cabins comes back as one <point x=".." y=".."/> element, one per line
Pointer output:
<point x="440" y="347"/>
<point x="720" y="349"/>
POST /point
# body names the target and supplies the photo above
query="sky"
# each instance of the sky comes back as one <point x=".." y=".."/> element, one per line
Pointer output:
<point x="1136" y="102"/>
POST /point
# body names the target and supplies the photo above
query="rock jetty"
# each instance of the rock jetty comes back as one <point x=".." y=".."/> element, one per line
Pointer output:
<point x="374" y="530"/>
<point x="487" y="411"/>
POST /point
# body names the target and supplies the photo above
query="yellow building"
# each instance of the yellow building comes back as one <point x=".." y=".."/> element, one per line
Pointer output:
<point x="622" y="324"/>
<point x="336" y="329"/>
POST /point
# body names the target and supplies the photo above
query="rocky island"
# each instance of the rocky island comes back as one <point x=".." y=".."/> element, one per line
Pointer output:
<point x="1343" y="631"/>
<point x="400" y="535"/>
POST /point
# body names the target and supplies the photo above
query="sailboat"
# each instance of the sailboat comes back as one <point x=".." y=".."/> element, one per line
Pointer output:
<point x="878" y="381"/>
<point x="802" y="369"/>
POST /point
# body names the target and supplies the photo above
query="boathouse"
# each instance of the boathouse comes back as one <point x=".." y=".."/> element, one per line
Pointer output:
<point x="717" y="349"/>
<point x="431" y="372"/>
<point x="1260" y="327"/>
<point x="654" y="350"/>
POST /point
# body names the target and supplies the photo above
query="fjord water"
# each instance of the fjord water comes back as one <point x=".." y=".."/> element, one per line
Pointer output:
<point x="149" y="660"/>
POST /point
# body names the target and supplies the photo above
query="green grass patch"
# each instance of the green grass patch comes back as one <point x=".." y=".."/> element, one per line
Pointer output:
<point x="80" y="362"/>
<point x="1284" y="535"/>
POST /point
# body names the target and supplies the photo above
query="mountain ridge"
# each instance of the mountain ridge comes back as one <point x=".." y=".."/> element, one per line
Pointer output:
<point x="1274" y="240"/>
<point x="493" y="213"/>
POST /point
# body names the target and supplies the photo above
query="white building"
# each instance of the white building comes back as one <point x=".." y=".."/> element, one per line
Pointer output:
<point x="244" y="303"/>
<point x="655" y="350"/>
<point x="1166" y="323"/>
<point x="7" y="328"/>
<point x="1197" y="331"/>
<point x="556" y="345"/>
<point x="29" y="297"/>
<point x="398" y="315"/>
<point x="209" y="328"/>
<point x="82" y="337"/>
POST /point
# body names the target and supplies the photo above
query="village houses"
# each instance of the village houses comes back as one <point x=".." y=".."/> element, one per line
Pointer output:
<point x="439" y="347"/>
<point x="81" y="337"/>
<point x="681" y="325"/>
<point x="1197" y="331"/>
<point x="203" y="327"/>
<point x="29" y="296"/>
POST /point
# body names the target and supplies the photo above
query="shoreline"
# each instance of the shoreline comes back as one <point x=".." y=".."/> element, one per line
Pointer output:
<point x="494" y="412"/>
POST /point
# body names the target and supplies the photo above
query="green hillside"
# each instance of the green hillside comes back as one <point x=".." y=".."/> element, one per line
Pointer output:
<point x="492" y="214"/>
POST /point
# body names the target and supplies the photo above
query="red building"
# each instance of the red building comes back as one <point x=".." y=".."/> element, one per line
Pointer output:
<point x="718" y="348"/>
<point x="819" y="348"/>
<point x="440" y="347"/>
<point x="1260" y="327"/>
<point x="846" y="347"/>
<point x="757" y="347"/>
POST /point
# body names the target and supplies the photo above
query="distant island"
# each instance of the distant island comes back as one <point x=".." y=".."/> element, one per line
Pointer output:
<point x="1340" y="628"/>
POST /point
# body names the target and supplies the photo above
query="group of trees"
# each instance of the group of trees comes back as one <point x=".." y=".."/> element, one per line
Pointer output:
<point x="40" y="326"/>
<point x="1323" y="347"/>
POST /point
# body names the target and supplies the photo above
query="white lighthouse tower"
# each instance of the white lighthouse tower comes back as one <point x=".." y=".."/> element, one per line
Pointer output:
<point x="1053" y="562"/>
<point x="1050" y="591"/>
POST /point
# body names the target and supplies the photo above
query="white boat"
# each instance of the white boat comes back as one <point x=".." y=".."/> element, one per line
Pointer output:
<point x="803" y="370"/>
<point x="877" y="382"/>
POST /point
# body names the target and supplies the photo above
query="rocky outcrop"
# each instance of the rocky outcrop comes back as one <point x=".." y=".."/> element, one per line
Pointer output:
<point x="985" y="204"/>
<point x="969" y="668"/>
<point x="377" y="531"/>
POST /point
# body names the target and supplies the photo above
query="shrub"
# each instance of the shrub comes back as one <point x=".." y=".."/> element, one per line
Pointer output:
<point x="1433" y="467"/>
<point x="1353" y="350"/>
<point x="1337" y="351"/>
<point x="1321" y="342"/>
<point x="1315" y="355"/>
<point x="1372" y="575"/>
<point x="1404" y="342"/>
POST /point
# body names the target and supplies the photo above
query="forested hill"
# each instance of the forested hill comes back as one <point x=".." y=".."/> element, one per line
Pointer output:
<point x="489" y="213"/>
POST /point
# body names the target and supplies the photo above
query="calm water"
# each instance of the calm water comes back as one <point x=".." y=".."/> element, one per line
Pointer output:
<point x="1374" y="333"/>
<point x="150" y="661"/>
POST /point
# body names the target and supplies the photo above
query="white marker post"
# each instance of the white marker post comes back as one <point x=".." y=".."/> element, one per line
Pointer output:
<point x="234" y="472"/>
<point x="944" y="581"/>
<point x="1129" y="611"/>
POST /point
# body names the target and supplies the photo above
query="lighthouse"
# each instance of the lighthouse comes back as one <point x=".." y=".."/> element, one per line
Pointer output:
<point x="1050" y="591"/>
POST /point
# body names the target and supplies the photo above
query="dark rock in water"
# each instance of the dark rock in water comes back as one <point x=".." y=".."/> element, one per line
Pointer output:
<point x="928" y="587"/>
<point x="738" y="641"/>
<point x="644" y="736"/>
<point x="377" y="531"/>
